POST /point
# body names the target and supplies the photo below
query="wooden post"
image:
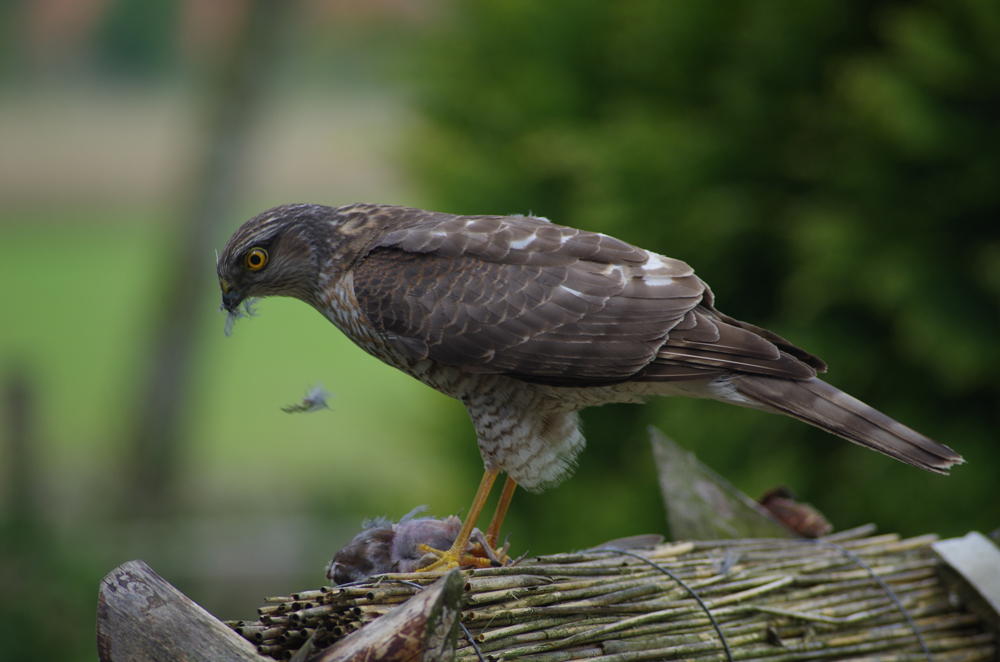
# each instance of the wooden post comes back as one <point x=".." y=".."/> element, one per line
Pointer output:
<point x="701" y="504"/>
<point x="422" y="629"/>
<point x="140" y="616"/>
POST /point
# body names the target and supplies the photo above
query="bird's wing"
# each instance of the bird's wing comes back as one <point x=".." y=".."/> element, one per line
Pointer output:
<point x="546" y="303"/>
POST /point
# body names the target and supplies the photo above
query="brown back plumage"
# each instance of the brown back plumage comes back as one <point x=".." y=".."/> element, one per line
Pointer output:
<point x="550" y="304"/>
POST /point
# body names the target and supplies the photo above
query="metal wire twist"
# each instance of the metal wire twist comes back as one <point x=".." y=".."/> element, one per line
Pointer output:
<point x="885" y="587"/>
<point x="715" y="624"/>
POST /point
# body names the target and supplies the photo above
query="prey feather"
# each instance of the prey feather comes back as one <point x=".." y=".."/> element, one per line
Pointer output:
<point x="314" y="400"/>
<point x="233" y="315"/>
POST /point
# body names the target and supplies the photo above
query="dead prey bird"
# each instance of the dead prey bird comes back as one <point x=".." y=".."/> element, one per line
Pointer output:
<point x="527" y="322"/>
<point x="404" y="546"/>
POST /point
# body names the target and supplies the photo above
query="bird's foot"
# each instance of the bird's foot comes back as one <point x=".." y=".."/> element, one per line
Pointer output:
<point x="451" y="558"/>
<point x="479" y="555"/>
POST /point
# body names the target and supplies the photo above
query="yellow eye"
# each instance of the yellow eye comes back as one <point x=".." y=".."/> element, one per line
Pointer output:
<point x="256" y="259"/>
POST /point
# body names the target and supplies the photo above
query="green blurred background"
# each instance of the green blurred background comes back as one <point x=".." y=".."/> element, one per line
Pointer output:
<point x="832" y="169"/>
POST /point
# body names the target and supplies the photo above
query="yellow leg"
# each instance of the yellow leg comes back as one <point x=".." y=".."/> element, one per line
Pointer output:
<point x="493" y="533"/>
<point x="452" y="557"/>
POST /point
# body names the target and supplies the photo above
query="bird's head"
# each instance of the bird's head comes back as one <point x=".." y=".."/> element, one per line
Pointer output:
<point x="277" y="253"/>
<point x="369" y="553"/>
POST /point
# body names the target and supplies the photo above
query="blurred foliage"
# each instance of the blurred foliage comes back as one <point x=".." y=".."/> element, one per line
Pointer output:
<point x="10" y="38"/>
<point x="138" y="37"/>
<point x="830" y="168"/>
<point x="49" y="593"/>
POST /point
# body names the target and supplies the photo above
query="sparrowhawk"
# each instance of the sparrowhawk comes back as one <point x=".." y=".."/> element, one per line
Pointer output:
<point x="526" y="322"/>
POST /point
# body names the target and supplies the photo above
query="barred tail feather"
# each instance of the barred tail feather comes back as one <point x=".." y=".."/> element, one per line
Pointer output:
<point x="817" y="403"/>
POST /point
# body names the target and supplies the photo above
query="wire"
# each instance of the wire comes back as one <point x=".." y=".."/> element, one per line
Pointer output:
<point x="715" y="624"/>
<point x="885" y="587"/>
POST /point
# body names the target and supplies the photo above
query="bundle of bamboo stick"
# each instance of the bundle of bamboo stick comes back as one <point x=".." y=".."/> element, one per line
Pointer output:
<point x="848" y="596"/>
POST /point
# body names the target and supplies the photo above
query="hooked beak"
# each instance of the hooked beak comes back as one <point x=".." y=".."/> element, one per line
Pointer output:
<point x="231" y="298"/>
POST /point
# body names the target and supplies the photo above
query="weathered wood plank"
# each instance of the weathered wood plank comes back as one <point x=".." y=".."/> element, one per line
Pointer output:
<point x="701" y="504"/>
<point x="140" y="616"/>
<point x="422" y="629"/>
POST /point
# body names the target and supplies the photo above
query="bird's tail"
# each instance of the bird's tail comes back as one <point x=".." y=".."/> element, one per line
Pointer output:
<point x="817" y="403"/>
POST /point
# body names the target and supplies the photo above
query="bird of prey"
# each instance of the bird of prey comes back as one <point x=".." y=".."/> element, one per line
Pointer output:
<point x="526" y="322"/>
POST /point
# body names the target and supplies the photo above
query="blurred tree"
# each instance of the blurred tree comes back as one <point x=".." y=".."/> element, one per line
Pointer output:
<point x="236" y="86"/>
<point x="43" y="580"/>
<point x="830" y="168"/>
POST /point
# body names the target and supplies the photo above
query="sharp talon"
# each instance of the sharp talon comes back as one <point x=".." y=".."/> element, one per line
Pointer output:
<point x="506" y="546"/>
<point x="498" y="558"/>
<point x="484" y="544"/>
